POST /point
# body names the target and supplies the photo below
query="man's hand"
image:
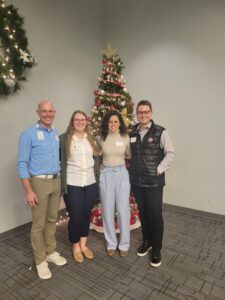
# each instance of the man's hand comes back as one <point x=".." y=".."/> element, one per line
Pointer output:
<point x="31" y="199"/>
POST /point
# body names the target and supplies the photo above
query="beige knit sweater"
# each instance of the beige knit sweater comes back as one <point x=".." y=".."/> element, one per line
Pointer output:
<point x="115" y="149"/>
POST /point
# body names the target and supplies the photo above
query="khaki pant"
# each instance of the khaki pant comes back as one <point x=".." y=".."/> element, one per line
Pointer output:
<point x="44" y="217"/>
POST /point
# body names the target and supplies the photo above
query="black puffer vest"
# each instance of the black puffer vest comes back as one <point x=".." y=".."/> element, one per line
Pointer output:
<point x="145" y="157"/>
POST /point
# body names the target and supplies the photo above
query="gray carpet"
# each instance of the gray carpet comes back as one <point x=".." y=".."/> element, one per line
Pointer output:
<point x="193" y="265"/>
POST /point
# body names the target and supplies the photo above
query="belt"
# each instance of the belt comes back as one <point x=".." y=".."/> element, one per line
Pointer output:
<point x="48" y="176"/>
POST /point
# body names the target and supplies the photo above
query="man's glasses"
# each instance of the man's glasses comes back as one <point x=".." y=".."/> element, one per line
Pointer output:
<point x="145" y="112"/>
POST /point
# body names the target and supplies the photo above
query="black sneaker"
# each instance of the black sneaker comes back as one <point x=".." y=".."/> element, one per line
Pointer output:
<point x="144" y="248"/>
<point x="155" y="258"/>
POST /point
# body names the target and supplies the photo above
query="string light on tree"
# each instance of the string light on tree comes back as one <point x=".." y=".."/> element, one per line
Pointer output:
<point x="63" y="218"/>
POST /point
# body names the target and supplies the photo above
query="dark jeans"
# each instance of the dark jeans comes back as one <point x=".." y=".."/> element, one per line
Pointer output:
<point x="149" y="201"/>
<point x="79" y="202"/>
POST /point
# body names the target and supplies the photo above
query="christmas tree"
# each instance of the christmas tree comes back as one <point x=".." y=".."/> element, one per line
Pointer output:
<point x="112" y="95"/>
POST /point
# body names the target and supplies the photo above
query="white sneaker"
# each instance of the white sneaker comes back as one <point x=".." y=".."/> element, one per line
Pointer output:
<point x="57" y="259"/>
<point x="43" y="270"/>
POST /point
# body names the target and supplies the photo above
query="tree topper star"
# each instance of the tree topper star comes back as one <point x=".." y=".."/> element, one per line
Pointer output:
<point x="109" y="51"/>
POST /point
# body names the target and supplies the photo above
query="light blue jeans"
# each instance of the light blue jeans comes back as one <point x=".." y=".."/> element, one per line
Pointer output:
<point x="114" y="193"/>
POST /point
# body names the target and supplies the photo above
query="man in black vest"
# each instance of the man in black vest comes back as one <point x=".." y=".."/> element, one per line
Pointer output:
<point x="152" y="153"/>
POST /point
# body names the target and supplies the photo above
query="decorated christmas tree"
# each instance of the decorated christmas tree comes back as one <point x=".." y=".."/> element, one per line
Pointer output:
<point x="112" y="95"/>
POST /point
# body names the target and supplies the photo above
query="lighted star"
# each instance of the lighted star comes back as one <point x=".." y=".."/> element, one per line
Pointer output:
<point x="24" y="56"/>
<point x="109" y="51"/>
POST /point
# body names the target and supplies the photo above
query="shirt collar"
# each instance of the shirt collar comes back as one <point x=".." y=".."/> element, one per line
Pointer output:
<point x="38" y="126"/>
<point x="77" y="139"/>
<point x="146" y="128"/>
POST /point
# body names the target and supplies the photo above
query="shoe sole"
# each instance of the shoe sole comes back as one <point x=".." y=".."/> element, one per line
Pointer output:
<point x="45" y="277"/>
<point x="124" y="255"/>
<point x="57" y="264"/>
<point x="78" y="261"/>
<point x="89" y="257"/>
<point x="155" y="265"/>
<point x="143" y="254"/>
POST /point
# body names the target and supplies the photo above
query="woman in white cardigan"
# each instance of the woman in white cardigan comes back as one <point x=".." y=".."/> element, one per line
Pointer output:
<point x="79" y="186"/>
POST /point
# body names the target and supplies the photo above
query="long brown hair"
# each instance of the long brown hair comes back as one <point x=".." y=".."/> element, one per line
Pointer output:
<point x="71" y="130"/>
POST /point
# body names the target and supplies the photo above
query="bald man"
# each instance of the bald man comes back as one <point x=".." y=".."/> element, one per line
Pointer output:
<point x="39" y="170"/>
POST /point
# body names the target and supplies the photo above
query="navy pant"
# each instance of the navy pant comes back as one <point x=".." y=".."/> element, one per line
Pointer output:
<point x="149" y="201"/>
<point x="79" y="202"/>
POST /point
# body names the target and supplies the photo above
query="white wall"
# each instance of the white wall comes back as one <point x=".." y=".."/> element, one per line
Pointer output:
<point x="66" y="38"/>
<point x="174" y="53"/>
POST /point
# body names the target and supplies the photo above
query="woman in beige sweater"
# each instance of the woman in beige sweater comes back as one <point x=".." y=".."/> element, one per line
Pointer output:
<point x="114" y="182"/>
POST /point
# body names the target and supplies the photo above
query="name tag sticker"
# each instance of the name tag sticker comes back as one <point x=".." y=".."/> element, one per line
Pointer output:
<point x="133" y="139"/>
<point x="150" y="140"/>
<point x="56" y="137"/>
<point x="40" y="135"/>
<point x="119" y="143"/>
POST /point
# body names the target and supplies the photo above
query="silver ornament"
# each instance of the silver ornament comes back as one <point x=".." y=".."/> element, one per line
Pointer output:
<point x="9" y="82"/>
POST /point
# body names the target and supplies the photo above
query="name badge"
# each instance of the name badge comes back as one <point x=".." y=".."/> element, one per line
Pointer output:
<point x="119" y="143"/>
<point x="133" y="139"/>
<point x="56" y="137"/>
<point x="40" y="135"/>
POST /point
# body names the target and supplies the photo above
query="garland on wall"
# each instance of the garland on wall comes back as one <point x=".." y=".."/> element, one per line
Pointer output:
<point x="14" y="54"/>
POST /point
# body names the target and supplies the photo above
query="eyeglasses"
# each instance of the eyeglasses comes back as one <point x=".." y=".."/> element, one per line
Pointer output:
<point x="80" y="120"/>
<point x="139" y="113"/>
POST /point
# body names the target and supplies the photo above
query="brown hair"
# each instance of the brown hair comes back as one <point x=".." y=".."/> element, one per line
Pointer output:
<point x="144" y="102"/>
<point x="105" y="123"/>
<point x="71" y="130"/>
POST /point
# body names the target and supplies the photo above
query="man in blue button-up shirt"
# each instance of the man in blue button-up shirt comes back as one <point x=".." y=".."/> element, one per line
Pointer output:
<point x="39" y="170"/>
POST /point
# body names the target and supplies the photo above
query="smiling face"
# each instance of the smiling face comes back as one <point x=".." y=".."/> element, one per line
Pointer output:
<point x="79" y="122"/>
<point x="144" y="115"/>
<point x="114" y="124"/>
<point x="46" y="113"/>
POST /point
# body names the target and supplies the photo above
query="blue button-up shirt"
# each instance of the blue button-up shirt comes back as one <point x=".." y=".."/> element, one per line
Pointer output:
<point x="38" y="152"/>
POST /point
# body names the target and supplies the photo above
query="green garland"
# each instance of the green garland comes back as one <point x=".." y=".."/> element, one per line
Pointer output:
<point x="14" y="55"/>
